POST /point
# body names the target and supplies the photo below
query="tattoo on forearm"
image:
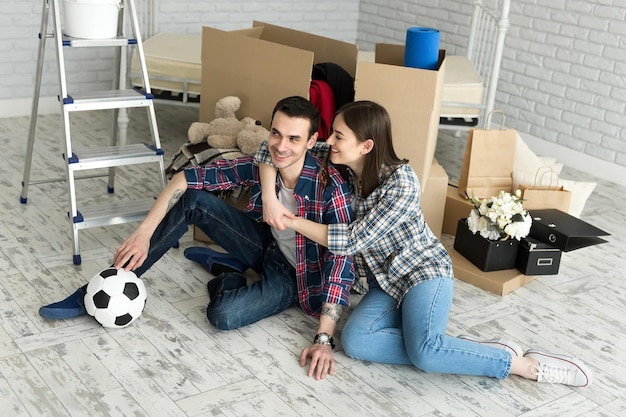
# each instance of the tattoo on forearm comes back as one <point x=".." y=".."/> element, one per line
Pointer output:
<point x="175" y="197"/>
<point x="333" y="311"/>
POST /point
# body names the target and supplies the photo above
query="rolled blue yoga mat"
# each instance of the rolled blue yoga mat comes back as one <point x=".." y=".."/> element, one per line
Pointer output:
<point x="422" y="48"/>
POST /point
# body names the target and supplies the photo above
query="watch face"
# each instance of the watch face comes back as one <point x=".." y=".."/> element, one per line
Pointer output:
<point x="324" y="338"/>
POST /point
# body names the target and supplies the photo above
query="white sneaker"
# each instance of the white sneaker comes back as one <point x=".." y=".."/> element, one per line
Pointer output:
<point x="560" y="369"/>
<point x="510" y="346"/>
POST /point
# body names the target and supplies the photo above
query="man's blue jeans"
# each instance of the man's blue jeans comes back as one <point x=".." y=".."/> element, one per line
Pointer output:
<point x="247" y="240"/>
<point x="414" y="333"/>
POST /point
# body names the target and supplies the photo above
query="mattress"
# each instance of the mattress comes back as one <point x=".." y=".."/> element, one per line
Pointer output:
<point x="461" y="84"/>
<point x="171" y="59"/>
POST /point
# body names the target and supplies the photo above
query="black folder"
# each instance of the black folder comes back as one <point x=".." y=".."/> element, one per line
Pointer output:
<point x="564" y="231"/>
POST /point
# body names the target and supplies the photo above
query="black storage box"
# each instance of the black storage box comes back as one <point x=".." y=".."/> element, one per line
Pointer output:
<point x="537" y="258"/>
<point x="563" y="230"/>
<point x="488" y="255"/>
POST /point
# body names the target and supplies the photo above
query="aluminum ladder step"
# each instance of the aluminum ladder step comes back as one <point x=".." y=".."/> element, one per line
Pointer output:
<point x="95" y="43"/>
<point x="112" y="213"/>
<point x="110" y="99"/>
<point x="114" y="156"/>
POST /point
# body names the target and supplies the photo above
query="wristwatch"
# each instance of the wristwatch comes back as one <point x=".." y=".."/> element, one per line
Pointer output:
<point x="324" y="339"/>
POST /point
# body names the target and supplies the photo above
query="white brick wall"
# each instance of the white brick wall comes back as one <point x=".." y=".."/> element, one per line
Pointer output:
<point x="563" y="75"/>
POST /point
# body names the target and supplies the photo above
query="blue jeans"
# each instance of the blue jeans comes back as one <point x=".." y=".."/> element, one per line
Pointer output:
<point x="247" y="240"/>
<point x="414" y="333"/>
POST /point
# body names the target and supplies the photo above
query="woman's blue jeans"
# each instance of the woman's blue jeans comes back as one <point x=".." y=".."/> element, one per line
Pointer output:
<point x="247" y="240"/>
<point x="414" y="333"/>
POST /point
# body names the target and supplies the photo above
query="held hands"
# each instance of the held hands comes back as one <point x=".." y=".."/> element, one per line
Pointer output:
<point x="133" y="251"/>
<point x="275" y="213"/>
<point x="322" y="360"/>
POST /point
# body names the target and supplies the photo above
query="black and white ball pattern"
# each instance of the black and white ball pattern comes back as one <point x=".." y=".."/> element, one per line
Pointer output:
<point x="115" y="297"/>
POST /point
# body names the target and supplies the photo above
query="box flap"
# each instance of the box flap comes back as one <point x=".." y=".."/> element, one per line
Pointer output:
<point x="253" y="70"/>
<point x="325" y="49"/>
<point x="389" y="54"/>
<point x="254" y="32"/>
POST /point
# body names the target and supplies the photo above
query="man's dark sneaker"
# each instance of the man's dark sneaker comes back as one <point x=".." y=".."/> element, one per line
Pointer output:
<point x="215" y="262"/>
<point x="72" y="307"/>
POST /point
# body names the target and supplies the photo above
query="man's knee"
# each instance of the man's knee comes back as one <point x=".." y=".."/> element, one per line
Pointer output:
<point x="222" y="316"/>
<point x="193" y="199"/>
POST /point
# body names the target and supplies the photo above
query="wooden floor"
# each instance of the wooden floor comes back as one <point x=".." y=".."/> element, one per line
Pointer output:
<point x="172" y="362"/>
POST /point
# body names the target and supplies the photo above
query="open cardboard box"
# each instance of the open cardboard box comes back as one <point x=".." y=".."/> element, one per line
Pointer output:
<point x="262" y="65"/>
<point x="412" y="97"/>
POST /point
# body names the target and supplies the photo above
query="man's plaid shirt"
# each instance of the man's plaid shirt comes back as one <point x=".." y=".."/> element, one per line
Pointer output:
<point x="322" y="277"/>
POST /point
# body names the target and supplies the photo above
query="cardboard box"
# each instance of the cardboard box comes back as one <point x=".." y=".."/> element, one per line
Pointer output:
<point x="537" y="258"/>
<point x="262" y="65"/>
<point x="497" y="282"/>
<point x="456" y="208"/>
<point x="412" y="96"/>
<point x="433" y="199"/>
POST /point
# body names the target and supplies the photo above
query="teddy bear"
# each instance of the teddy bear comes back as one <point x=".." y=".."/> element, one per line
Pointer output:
<point x="222" y="131"/>
<point x="249" y="138"/>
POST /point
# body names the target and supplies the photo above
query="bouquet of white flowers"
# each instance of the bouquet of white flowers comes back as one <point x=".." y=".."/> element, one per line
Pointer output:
<point x="499" y="218"/>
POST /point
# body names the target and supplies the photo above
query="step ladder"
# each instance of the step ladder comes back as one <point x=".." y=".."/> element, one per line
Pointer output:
<point x="120" y="99"/>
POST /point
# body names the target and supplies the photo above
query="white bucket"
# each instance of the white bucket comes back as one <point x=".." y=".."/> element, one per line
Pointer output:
<point x="91" y="19"/>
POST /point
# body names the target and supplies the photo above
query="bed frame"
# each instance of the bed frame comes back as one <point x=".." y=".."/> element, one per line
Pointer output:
<point x="148" y="22"/>
<point x="484" y="55"/>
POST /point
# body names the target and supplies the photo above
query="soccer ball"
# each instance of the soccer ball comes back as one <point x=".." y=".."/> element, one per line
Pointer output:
<point x="115" y="297"/>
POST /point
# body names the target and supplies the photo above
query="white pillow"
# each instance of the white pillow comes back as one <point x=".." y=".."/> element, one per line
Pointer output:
<point x="551" y="162"/>
<point x="527" y="161"/>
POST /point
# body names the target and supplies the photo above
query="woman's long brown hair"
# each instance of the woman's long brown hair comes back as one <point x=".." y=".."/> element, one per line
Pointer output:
<point x="370" y="120"/>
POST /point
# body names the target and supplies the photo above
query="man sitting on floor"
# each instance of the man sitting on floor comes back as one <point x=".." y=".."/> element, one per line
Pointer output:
<point x="292" y="268"/>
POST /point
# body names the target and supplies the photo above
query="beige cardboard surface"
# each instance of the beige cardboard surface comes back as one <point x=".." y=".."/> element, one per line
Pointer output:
<point x="234" y="64"/>
<point x="262" y="65"/>
<point x="324" y="49"/>
<point x="200" y="236"/>
<point x="412" y="97"/>
<point x="497" y="282"/>
<point x="433" y="198"/>
<point x="456" y="208"/>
